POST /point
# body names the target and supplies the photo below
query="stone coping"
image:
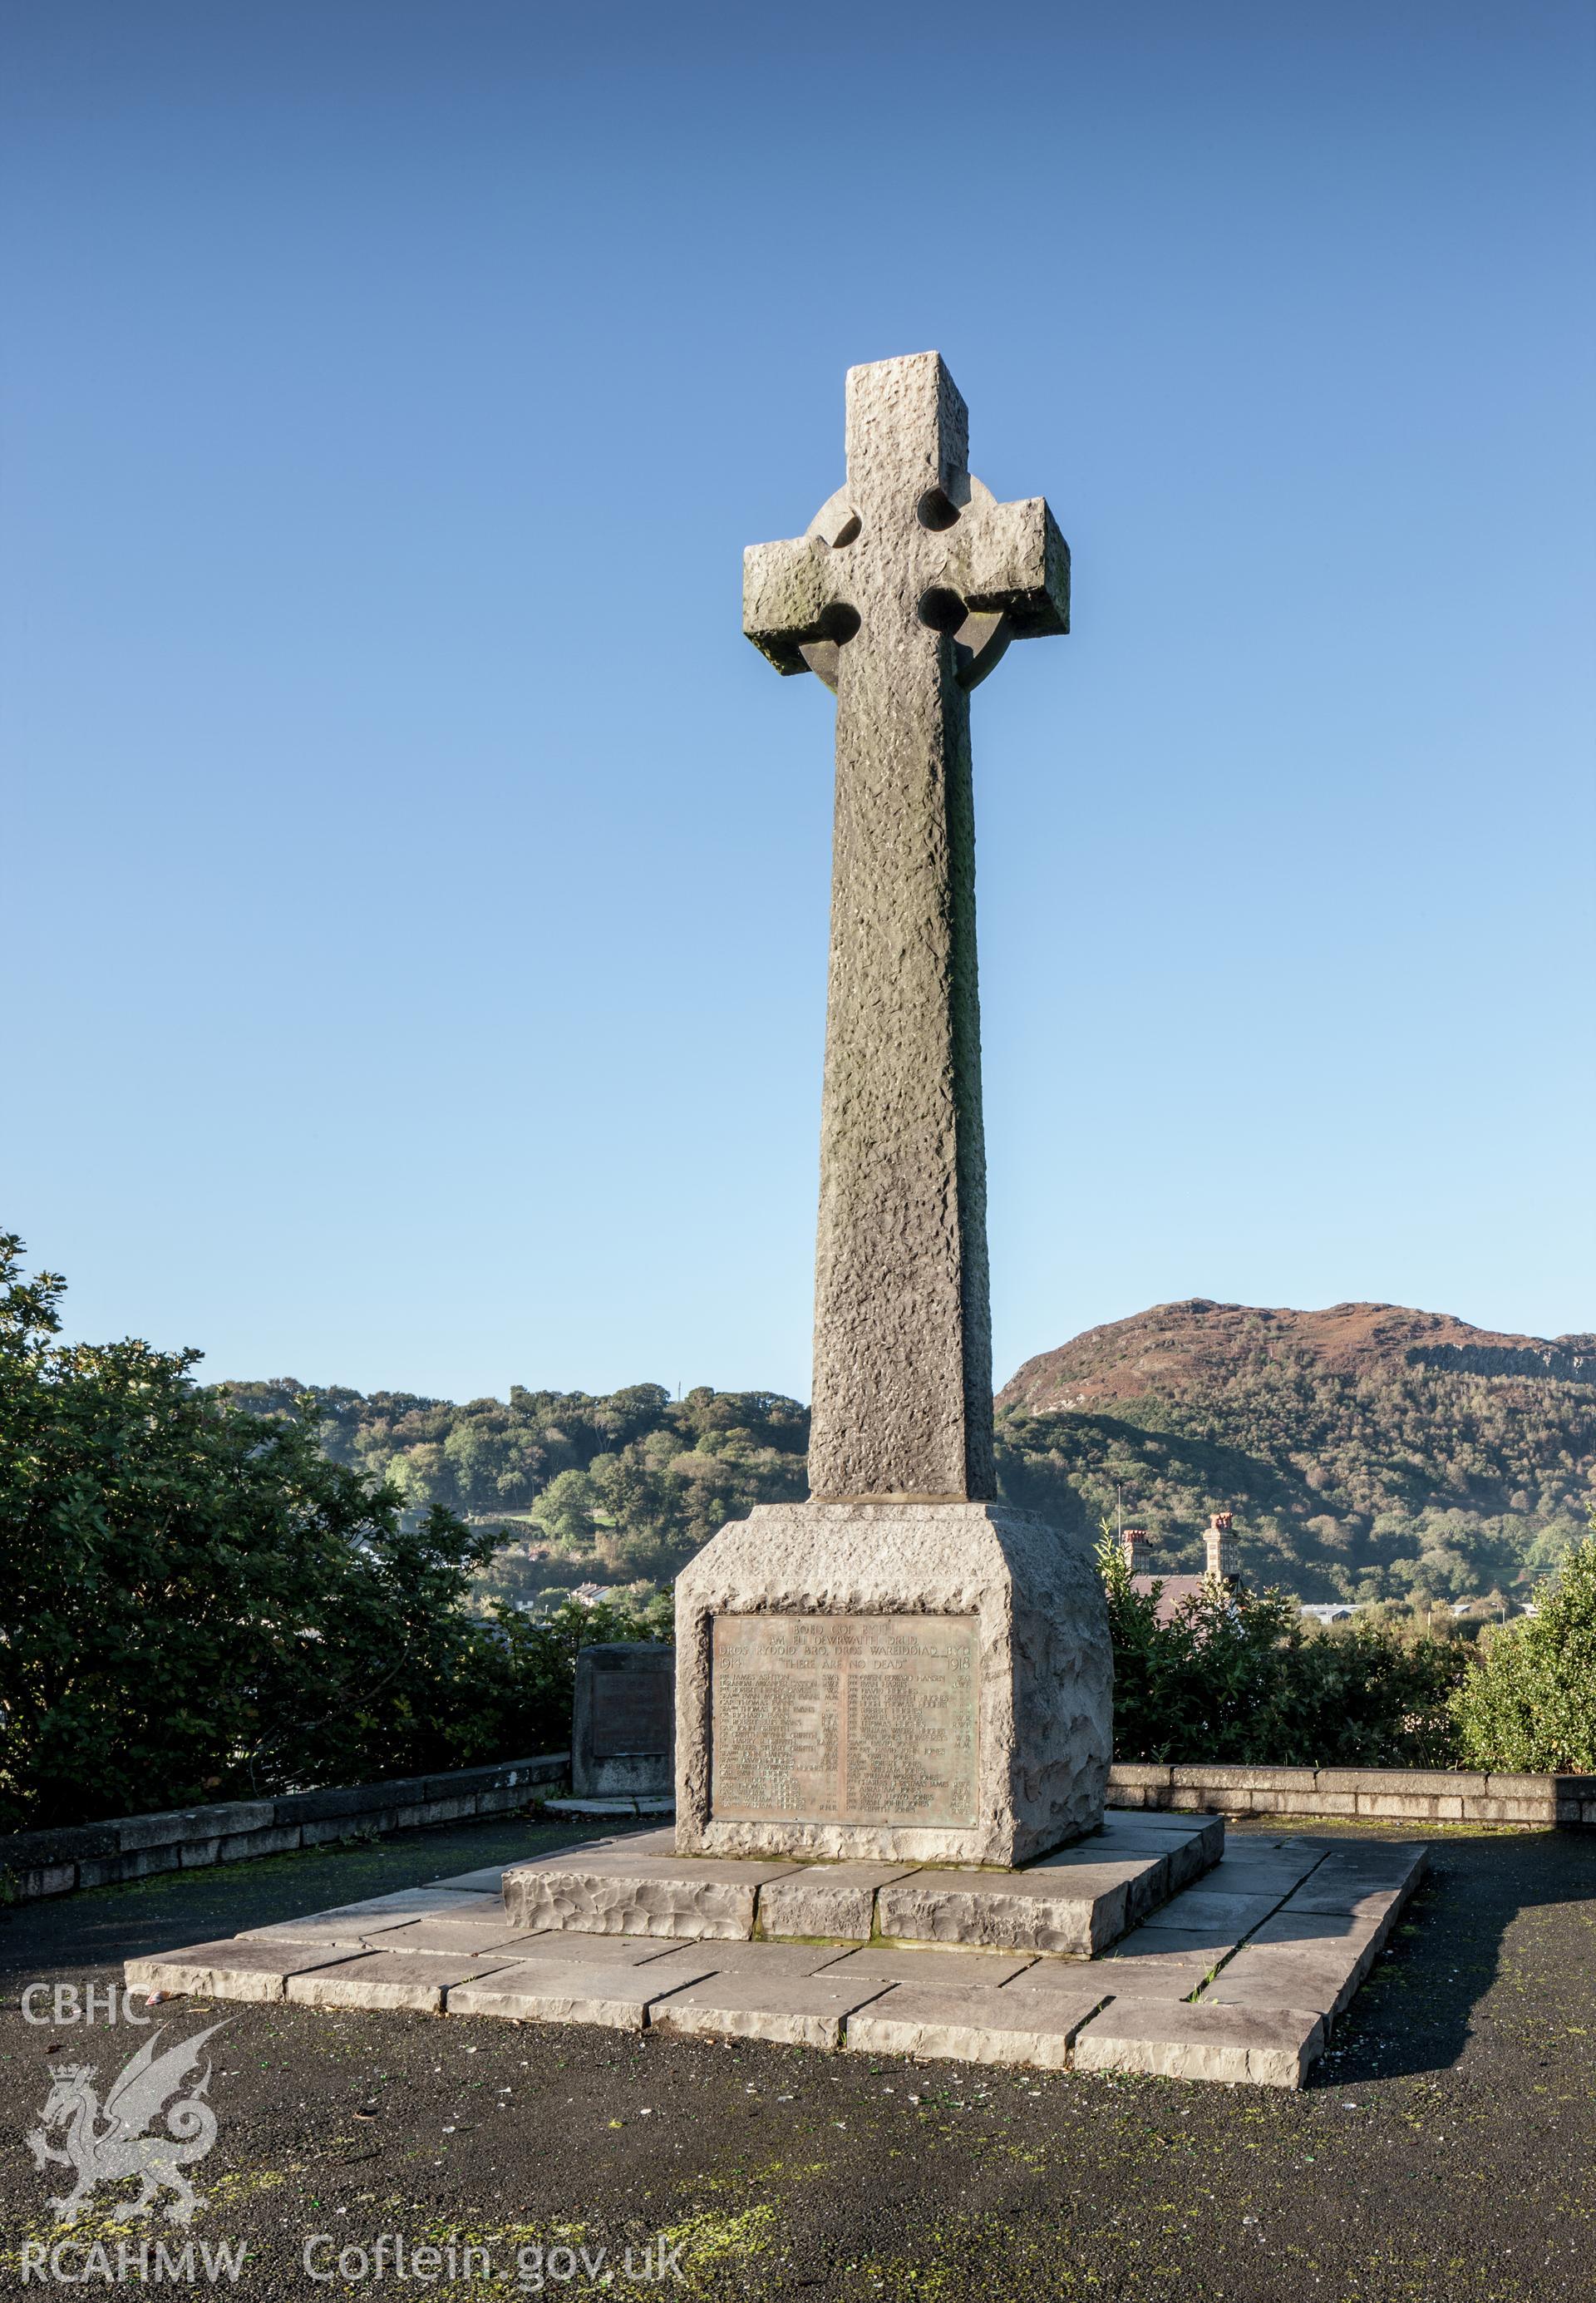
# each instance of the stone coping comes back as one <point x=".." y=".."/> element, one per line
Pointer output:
<point x="1384" y="1795"/>
<point x="39" y="1863"/>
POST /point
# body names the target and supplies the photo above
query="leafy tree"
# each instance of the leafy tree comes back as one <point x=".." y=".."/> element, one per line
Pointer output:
<point x="1528" y="1702"/>
<point x="625" y="1486"/>
<point x="1237" y="1676"/>
<point x="199" y="1603"/>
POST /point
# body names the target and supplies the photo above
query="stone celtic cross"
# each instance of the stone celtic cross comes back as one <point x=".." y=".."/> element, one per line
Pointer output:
<point x="909" y="584"/>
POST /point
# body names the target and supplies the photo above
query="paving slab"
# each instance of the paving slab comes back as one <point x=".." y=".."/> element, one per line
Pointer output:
<point x="565" y="1947"/>
<point x="349" y="1933"/>
<point x="1345" y="1898"/>
<point x="1263" y="2046"/>
<point x="1194" y="1843"/>
<point x="384" y="1979"/>
<point x="1204" y="1946"/>
<point x="548" y="1991"/>
<point x="836" y="1900"/>
<point x="1237" y="1874"/>
<point x="1148" y="1964"/>
<point x="1174" y="1852"/>
<point x="603" y="1893"/>
<point x="789" y="2011"/>
<point x="1034" y="2029"/>
<point x="1369" y="1864"/>
<point x="968" y="1971"/>
<point x="711" y="1958"/>
<point x="598" y="1809"/>
<point x="1149" y="1874"/>
<point x="456" y="1939"/>
<point x="487" y="1881"/>
<point x="232" y="1970"/>
<point x="1292" y="1928"/>
<point x="1134" y="1979"/>
<point x="412" y="1904"/>
<point x="1287" y="1979"/>
<point x="1217" y="1916"/>
<point x="1182" y="1825"/>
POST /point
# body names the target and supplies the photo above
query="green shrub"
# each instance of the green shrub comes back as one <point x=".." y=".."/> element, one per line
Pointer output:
<point x="1237" y="1676"/>
<point x="199" y="1605"/>
<point x="1527" y="1704"/>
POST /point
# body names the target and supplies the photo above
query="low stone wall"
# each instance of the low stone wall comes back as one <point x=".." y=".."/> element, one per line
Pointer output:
<point x="35" y="1863"/>
<point x="1382" y="1794"/>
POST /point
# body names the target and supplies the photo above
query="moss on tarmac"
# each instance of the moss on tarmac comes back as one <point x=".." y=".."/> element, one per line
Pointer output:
<point x="1445" y="2154"/>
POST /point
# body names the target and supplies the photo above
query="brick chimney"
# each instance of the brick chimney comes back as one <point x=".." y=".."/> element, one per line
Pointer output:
<point x="1223" y="1562"/>
<point x="1128" y="1540"/>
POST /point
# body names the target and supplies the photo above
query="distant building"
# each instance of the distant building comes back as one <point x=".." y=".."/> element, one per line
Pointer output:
<point x="1327" y="1611"/>
<point x="1223" y="1566"/>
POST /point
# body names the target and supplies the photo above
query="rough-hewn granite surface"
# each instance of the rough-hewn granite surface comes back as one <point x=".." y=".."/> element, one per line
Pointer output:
<point x="1044" y="1700"/>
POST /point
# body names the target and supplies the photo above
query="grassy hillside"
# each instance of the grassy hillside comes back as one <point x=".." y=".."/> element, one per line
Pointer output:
<point x="1367" y="1452"/>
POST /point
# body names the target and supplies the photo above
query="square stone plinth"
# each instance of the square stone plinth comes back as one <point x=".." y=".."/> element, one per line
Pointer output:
<point x="915" y="1682"/>
<point x="1073" y="1904"/>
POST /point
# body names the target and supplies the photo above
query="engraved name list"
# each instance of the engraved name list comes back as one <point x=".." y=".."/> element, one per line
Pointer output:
<point x="867" y="1719"/>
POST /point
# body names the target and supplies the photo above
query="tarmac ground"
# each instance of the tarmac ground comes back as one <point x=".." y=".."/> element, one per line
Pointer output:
<point x="1445" y="2151"/>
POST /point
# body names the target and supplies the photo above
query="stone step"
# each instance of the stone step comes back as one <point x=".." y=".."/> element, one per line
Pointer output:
<point x="787" y="2010"/>
<point x="1034" y="2029"/>
<point x="1261" y="2046"/>
<point x="1244" y="1993"/>
<point x="1072" y="1904"/>
<point x="621" y="1998"/>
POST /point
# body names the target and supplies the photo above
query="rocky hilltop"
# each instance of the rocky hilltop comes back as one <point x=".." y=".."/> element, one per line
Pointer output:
<point x="1369" y="1451"/>
<point x="1176" y="1347"/>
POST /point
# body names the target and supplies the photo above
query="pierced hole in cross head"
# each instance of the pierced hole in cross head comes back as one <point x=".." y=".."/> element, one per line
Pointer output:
<point x="943" y="611"/>
<point x="936" y="510"/>
<point x="840" y="622"/>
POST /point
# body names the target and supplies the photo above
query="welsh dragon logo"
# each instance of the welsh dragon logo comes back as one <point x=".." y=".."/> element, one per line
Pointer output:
<point x="107" y="2144"/>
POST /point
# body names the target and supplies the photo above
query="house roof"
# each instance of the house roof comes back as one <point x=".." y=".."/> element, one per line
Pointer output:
<point x="1173" y="1590"/>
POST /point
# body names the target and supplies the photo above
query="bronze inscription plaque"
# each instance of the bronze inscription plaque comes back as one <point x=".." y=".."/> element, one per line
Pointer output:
<point x="866" y="1719"/>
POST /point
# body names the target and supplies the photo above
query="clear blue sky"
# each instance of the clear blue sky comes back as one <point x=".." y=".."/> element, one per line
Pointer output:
<point x="417" y="885"/>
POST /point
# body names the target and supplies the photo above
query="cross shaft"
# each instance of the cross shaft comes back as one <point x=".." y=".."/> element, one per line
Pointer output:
<point x="908" y="587"/>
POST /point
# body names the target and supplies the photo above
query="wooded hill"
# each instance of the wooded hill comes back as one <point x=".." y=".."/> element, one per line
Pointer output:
<point x="1367" y="1452"/>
